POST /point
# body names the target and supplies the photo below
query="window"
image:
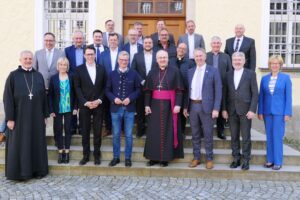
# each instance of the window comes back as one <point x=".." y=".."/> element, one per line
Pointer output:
<point x="284" y="33"/>
<point x="63" y="17"/>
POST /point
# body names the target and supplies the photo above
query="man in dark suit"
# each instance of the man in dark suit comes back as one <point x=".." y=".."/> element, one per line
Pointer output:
<point x="156" y="37"/>
<point x="74" y="53"/>
<point x="143" y="62"/>
<point x="108" y="59"/>
<point x="239" y="105"/>
<point x="183" y="64"/>
<point x="138" y="26"/>
<point x="164" y="43"/>
<point x="98" y="44"/>
<point x="89" y="83"/>
<point x="110" y="28"/>
<point x="132" y="47"/>
<point x="241" y="43"/>
<point x="190" y="37"/>
<point x="203" y="103"/>
<point x="222" y="62"/>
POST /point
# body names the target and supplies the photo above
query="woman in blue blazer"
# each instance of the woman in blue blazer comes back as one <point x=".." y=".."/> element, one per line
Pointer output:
<point x="62" y="105"/>
<point x="275" y="108"/>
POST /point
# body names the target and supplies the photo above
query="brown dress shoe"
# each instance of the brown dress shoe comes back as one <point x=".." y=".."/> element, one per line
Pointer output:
<point x="194" y="163"/>
<point x="209" y="164"/>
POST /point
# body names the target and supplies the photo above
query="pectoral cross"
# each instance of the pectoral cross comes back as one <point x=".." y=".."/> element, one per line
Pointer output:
<point x="159" y="87"/>
<point x="30" y="96"/>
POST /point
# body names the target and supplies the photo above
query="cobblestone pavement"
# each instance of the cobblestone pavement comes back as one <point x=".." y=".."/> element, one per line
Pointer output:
<point x="109" y="187"/>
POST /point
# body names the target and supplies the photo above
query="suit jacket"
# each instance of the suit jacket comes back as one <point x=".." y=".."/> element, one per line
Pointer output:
<point x="280" y="103"/>
<point x="40" y="64"/>
<point x="245" y="97"/>
<point x="105" y="49"/>
<point x="155" y="39"/>
<point x="71" y="55"/>
<point x="248" y="47"/>
<point x="54" y="94"/>
<point x="211" y="89"/>
<point x="105" y="61"/>
<point x="84" y="87"/>
<point x="139" y="65"/>
<point x="198" y="41"/>
<point x="105" y="42"/>
<point x="131" y="90"/>
<point x="184" y="65"/>
<point x="126" y="48"/>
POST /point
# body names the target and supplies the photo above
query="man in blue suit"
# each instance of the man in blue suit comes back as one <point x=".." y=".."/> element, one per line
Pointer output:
<point x="74" y="53"/>
<point x="132" y="47"/>
<point x="203" y="103"/>
<point x="108" y="59"/>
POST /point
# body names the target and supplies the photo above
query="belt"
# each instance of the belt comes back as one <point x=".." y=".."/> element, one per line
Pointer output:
<point x="196" y="101"/>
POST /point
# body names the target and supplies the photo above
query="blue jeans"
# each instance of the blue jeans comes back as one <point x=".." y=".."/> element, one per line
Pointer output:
<point x="117" y="118"/>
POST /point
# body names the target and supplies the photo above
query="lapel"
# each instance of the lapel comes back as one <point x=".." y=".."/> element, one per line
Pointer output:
<point x="279" y="79"/>
<point x="207" y="69"/>
<point x="231" y="79"/>
<point x="97" y="74"/>
<point x="143" y="64"/>
<point x="74" y="54"/>
<point x="109" y="61"/>
<point x="44" y="54"/>
<point x="54" y="57"/>
<point x="243" y="44"/>
<point x="231" y="43"/>
<point x="242" y="79"/>
<point x="196" y="42"/>
<point x="191" y="75"/>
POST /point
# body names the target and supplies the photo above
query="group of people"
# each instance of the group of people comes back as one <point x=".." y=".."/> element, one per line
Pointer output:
<point x="108" y="82"/>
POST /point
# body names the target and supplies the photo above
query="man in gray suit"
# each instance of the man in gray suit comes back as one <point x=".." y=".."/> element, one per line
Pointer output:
<point x="222" y="62"/>
<point x="203" y="103"/>
<point x="239" y="105"/>
<point x="45" y="59"/>
<point x="110" y="28"/>
<point x="191" y="39"/>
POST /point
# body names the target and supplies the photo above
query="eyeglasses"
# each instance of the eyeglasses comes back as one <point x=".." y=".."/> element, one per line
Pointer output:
<point x="90" y="54"/>
<point x="123" y="60"/>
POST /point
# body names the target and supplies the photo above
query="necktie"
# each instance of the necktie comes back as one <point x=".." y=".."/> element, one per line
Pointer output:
<point x="48" y="59"/>
<point x="98" y="55"/>
<point x="237" y="45"/>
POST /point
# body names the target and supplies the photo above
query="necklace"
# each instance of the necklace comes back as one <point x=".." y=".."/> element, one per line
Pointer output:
<point x="160" y="81"/>
<point x="29" y="90"/>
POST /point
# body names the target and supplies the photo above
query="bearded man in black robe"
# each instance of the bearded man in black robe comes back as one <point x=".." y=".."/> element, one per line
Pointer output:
<point x="163" y="98"/>
<point x="26" y="111"/>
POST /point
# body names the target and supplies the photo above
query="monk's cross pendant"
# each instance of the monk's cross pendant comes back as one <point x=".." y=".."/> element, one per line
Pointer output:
<point x="159" y="87"/>
<point x="30" y="96"/>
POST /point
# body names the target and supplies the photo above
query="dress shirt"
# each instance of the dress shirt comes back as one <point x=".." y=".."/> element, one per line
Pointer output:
<point x="216" y="60"/>
<point x="240" y="42"/>
<point x="191" y="39"/>
<point x="133" y="50"/>
<point x="148" y="61"/>
<point x="79" y="56"/>
<point x="49" y="56"/>
<point x="113" y="58"/>
<point x="237" y="75"/>
<point x="197" y="83"/>
<point x="92" y="71"/>
<point x="101" y="47"/>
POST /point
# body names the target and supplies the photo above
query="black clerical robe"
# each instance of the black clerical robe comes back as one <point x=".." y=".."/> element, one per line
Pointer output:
<point x="160" y="142"/>
<point x="26" y="148"/>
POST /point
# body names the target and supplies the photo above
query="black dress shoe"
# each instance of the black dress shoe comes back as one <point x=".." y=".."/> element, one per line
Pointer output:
<point x="128" y="163"/>
<point x="97" y="160"/>
<point x="114" y="162"/>
<point x="245" y="165"/>
<point x="84" y="160"/>
<point x="221" y="135"/>
<point x="235" y="164"/>
<point x="164" y="164"/>
<point x="67" y="158"/>
<point x="151" y="163"/>
<point x="60" y="158"/>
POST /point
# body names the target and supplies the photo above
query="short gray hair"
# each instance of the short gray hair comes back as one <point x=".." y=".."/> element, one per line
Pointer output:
<point x="162" y="51"/>
<point x="25" y="52"/>
<point x="216" y="38"/>
<point x="239" y="54"/>
<point x="200" y="49"/>
<point x="123" y="53"/>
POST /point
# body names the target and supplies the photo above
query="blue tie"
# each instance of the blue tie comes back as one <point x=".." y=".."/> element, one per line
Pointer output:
<point x="98" y="55"/>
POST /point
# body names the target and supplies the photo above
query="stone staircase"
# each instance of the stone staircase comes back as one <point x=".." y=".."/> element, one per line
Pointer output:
<point x="177" y="168"/>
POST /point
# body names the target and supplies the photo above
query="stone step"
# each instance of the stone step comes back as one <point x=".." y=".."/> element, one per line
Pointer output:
<point x="220" y="171"/>
<point x="257" y="142"/>
<point x="221" y="156"/>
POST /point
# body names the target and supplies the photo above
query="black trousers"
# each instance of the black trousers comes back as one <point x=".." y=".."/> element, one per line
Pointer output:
<point x="106" y="113"/>
<point x="183" y="122"/>
<point x="85" y="117"/>
<point x="240" y="124"/>
<point x="140" y="111"/>
<point x="62" y="121"/>
<point x="220" y="123"/>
